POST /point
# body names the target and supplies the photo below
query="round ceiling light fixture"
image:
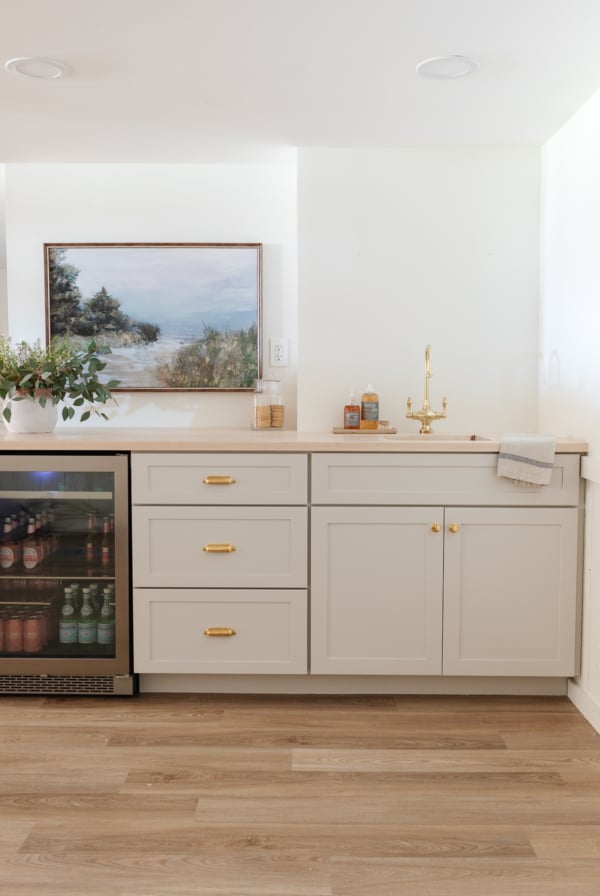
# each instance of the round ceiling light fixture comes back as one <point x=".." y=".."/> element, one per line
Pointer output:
<point x="446" y="67"/>
<point x="37" y="67"/>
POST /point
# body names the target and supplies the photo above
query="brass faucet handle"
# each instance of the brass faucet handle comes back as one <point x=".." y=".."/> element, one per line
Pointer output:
<point x="408" y="405"/>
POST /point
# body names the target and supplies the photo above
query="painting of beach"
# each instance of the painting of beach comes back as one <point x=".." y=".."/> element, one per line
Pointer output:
<point x="175" y="316"/>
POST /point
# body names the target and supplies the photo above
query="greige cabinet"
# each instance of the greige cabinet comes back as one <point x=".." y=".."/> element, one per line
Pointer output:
<point x="510" y="591"/>
<point x="443" y="587"/>
<point x="220" y="563"/>
<point x="376" y="590"/>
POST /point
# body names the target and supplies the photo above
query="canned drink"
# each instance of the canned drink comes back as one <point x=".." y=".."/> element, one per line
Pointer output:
<point x="32" y="634"/>
<point x="13" y="635"/>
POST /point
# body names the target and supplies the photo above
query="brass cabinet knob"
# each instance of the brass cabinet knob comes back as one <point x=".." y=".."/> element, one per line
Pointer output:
<point x="453" y="527"/>
<point x="435" y="527"/>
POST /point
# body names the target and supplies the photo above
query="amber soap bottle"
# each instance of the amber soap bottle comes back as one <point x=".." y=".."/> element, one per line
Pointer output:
<point x="352" y="412"/>
<point x="369" y="409"/>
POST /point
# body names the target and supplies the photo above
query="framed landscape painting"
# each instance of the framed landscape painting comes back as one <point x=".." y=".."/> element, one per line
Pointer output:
<point x="176" y="316"/>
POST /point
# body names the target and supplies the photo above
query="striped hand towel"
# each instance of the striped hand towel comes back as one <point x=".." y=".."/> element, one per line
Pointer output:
<point x="526" y="459"/>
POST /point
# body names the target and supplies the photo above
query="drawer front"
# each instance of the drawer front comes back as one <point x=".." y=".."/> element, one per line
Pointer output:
<point x="253" y="547"/>
<point x="435" y="479"/>
<point x="225" y="631"/>
<point x="221" y="478"/>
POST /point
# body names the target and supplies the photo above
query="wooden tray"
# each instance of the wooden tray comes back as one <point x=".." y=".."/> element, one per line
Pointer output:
<point x="380" y="431"/>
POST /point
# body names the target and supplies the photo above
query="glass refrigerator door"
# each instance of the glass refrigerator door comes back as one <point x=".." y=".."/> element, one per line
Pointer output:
<point x="64" y="564"/>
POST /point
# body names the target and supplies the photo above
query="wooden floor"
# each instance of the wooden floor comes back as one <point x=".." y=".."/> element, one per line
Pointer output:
<point x="197" y="795"/>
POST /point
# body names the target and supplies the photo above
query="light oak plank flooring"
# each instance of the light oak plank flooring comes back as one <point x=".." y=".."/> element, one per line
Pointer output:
<point x="224" y="795"/>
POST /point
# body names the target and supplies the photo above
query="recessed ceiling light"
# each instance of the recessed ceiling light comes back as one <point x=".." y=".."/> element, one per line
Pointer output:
<point x="444" y="67"/>
<point x="37" y="67"/>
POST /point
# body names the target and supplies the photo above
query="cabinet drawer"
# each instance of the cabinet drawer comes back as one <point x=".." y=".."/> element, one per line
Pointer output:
<point x="435" y="479"/>
<point x="266" y="631"/>
<point x="221" y="478"/>
<point x="252" y="547"/>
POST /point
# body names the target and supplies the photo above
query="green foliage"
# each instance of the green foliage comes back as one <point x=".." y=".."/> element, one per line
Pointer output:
<point x="218" y="360"/>
<point x="149" y="331"/>
<point x="53" y="374"/>
<point x="62" y="279"/>
<point x="100" y="316"/>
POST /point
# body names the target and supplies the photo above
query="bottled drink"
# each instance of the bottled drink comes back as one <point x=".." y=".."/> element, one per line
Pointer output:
<point x="76" y="596"/>
<point x="67" y="625"/>
<point x="107" y="546"/>
<point x="94" y="597"/>
<point x="86" y="620"/>
<point x="106" y="620"/>
<point x="32" y="549"/>
<point x="9" y="548"/>
<point x="90" y="538"/>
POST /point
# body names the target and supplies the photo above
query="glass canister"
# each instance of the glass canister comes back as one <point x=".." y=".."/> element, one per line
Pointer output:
<point x="269" y="408"/>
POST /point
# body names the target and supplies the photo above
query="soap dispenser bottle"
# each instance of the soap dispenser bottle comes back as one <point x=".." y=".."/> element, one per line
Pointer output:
<point x="352" y="412"/>
<point x="369" y="409"/>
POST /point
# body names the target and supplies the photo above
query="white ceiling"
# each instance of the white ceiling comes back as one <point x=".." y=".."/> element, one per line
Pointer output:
<point x="206" y="80"/>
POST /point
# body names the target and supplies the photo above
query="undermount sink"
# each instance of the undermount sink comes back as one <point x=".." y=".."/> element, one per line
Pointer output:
<point x="437" y="437"/>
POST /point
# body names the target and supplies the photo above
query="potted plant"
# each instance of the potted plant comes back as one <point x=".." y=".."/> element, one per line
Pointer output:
<point x="33" y="380"/>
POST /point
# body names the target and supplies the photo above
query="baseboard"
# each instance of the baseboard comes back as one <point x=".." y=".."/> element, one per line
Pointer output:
<point x="587" y="706"/>
<point x="349" y="684"/>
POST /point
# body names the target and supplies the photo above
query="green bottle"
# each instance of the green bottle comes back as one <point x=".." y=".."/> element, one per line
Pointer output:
<point x="86" y="621"/>
<point x="106" y="620"/>
<point x="67" y="624"/>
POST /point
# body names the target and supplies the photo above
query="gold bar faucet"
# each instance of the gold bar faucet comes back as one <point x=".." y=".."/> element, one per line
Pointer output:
<point x="426" y="416"/>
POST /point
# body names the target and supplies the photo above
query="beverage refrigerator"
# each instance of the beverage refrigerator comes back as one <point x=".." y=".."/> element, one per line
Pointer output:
<point x="65" y="608"/>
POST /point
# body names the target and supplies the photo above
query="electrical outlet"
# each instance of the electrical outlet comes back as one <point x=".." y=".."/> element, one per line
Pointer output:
<point x="279" y="352"/>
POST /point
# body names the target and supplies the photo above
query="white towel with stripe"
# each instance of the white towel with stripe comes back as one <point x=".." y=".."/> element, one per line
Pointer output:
<point x="527" y="459"/>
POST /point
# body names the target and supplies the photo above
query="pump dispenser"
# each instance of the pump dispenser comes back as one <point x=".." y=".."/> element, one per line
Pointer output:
<point x="352" y="412"/>
<point x="369" y="409"/>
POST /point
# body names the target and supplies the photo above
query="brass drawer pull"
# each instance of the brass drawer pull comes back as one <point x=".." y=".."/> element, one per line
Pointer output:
<point x="218" y="480"/>
<point x="218" y="548"/>
<point x="219" y="632"/>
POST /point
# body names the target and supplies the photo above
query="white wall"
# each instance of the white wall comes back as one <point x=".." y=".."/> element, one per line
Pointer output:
<point x="396" y="249"/>
<point x="401" y="248"/>
<point x="3" y="302"/>
<point x="158" y="203"/>
<point x="569" y="344"/>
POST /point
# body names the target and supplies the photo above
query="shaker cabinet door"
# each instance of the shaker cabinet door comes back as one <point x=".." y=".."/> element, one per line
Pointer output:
<point x="510" y="591"/>
<point x="376" y="595"/>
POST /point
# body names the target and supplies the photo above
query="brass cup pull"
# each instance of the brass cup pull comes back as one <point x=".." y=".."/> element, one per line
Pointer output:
<point x="218" y="480"/>
<point x="435" y="527"/>
<point x="219" y="632"/>
<point x="218" y="548"/>
<point x="453" y="527"/>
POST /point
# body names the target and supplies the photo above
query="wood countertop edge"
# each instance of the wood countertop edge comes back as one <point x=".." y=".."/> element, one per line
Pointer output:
<point x="91" y="439"/>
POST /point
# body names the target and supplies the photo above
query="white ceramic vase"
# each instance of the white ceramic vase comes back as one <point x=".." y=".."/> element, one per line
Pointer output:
<point x="28" y="415"/>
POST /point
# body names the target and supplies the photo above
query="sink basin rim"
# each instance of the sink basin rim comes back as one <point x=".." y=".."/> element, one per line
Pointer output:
<point x="437" y="437"/>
